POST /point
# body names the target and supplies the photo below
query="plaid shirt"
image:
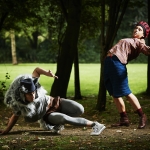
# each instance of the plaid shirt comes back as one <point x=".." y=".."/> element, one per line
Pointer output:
<point x="129" y="49"/>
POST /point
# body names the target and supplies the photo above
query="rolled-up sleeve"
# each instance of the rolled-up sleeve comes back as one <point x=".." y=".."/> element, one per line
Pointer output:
<point x="144" y="49"/>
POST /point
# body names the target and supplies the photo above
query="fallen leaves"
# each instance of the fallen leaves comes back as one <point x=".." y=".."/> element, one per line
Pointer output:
<point x="6" y="147"/>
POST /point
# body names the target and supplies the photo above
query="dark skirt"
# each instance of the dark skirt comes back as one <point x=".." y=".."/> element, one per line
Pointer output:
<point x="115" y="77"/>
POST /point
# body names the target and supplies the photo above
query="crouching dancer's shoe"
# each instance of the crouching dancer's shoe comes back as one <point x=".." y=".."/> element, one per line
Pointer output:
<point x="142" y="121"/>
<point x="97" y="128"/>
<point x="57" y="128"/>
<point x="124" y="121"/>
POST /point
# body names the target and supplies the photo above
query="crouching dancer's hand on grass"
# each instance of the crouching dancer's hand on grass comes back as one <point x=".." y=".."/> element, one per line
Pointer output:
<point x="10" y="124"/>
<point x="3" y="132"/>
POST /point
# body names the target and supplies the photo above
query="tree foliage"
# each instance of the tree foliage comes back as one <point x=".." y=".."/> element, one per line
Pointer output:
<point x="63" y="31"/>
<point x="40" y="28"/>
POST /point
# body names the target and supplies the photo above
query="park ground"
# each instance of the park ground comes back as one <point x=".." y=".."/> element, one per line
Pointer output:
<point x="26" y="136"/>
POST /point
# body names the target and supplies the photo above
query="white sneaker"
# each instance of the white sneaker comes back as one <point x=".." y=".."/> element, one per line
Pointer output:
<point x="57" y="128"/>
<point x="97" y="128"/>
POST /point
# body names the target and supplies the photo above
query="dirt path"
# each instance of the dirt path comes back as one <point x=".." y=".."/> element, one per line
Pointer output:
<point x="111" y="138"/>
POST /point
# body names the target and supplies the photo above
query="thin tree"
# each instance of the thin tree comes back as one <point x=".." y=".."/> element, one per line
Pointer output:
<point x="77" y="78"/>
<point x="13" y="47"/>
<point x="116" y="13"/>
<point x="68" y="48"/>
<point x="148" y="66"/>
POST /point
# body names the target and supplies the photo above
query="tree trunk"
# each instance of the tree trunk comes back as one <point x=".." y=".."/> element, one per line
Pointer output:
<point x="148" y="65"/>
<point x="116" y="13"/>
<point x="101" y="101"/>
<point x="13" y="47"/>
<point x="67" y="50"/>
<point x="148" y="76"/>
<point x="77" y="78"/>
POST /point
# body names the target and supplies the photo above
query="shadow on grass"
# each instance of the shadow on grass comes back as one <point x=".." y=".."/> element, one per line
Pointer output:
<point x="33" y="132"/>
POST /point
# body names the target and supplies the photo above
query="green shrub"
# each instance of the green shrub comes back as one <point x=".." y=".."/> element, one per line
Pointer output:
<point x="3" y="86"/>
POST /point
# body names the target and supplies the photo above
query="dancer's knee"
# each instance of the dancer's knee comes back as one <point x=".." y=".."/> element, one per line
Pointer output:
<point x="56" y="118"/>
<point x="80" y="110"/>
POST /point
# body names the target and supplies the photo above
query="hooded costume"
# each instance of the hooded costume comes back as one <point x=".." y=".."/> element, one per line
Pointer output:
<point x="31" y="111"/>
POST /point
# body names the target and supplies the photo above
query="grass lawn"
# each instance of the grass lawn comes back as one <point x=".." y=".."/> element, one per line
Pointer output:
<point x="26" y="136"/>
<point x="89" y="76"/>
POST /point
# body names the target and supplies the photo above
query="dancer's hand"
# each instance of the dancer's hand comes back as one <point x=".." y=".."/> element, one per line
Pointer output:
<point x="51" y="74"/>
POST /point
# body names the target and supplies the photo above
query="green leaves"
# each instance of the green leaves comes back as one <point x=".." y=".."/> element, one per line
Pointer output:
<point x="3" y="86"/>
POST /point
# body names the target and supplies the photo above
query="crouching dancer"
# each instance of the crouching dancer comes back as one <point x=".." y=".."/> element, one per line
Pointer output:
<point x="28" y="98"/>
